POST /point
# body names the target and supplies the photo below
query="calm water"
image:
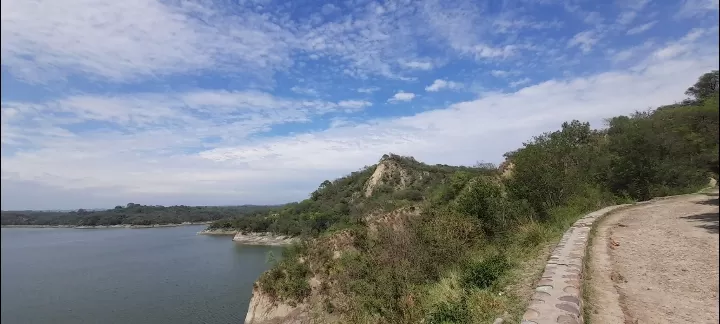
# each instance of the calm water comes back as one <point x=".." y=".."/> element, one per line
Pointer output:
<point x="157" y="275"/>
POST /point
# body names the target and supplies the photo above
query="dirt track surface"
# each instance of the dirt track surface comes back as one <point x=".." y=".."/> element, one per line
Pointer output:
<point x="656" y="263"/>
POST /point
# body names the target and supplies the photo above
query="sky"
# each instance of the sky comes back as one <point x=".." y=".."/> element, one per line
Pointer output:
<point x="107" y="102"/>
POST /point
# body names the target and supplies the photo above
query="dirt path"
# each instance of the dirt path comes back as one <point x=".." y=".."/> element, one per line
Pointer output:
<point x="656" y="263"/>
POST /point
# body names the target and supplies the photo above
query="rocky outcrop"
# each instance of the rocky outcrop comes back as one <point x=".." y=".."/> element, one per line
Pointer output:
<point x="263" y="239"/>
<point x="506" y="169"/>
<point x="375" y="179"/>
<point x="391" y="173"/>
<point x="263" y="310"/>
<point x="218" y="231"/>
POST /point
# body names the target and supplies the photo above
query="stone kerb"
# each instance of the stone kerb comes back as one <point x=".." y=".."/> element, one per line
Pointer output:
<point x="558" y="297"/>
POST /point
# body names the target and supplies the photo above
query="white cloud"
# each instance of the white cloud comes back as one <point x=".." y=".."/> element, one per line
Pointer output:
<point x="695" y="8"/>
<point x="178" y="146"/>
<point x="500" y="73"/>
<point x="402" y="96"/>
<point x="232" y="116"/>
<point x="632" y="9"/>
<point x="171" y="164"/>
<point x="123" y="40"/>
<point x="418" y="65"/>
<point x="626" y="17"/>
<point x="584" y="40"/>
<point x="641" y="28"/>
<point x="593" y="18"/>
<point x="354" y="104"/>
<point x="520" y="82"/>
<point x="304" y="91"/>
<point x="684" y="46"/>
<point x="439" y="84"/>
<point x="368" y="90"/>
<point x="483" y="51"/>
<point x="514" y="24"/>
<point x="629" y="53"/>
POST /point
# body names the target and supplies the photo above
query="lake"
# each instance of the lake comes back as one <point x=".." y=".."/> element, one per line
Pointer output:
<point x="153" y="275"/>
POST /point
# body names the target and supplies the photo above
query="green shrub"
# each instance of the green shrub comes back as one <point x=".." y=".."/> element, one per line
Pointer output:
<point x="485" y="273"/>
<point x="409" y="194"/>
<point x="288" y="281"/>
<point x="450" y="313"/>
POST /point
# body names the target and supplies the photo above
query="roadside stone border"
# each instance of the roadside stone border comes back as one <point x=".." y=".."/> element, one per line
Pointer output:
<point x="558" y="296"/>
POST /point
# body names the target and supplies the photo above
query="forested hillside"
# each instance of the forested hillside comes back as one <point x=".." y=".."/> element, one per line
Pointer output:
<point x="452" y="249"/>
<point x="344" y="201"/>
<point x="131" y="214"/>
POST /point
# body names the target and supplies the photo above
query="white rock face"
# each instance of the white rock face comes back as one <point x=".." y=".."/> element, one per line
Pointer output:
<point x="263" y="239"/>
<point x="263" y="311"/>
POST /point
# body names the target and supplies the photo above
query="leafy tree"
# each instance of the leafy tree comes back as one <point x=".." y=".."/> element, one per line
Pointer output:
<point x="706" y="86"/>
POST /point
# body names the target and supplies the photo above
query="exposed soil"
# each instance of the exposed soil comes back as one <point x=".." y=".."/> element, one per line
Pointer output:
<point x="657" y="263"/>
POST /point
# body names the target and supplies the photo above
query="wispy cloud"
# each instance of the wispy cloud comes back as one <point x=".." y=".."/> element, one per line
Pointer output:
<point x="641" y="28"/>
<point x="368" y="90"/>
<point x="207" y="102"/>
<point x="95" y="165"/>
<point x="225" y="114"/>
<point x="632" y="8"/>
<point x="695" y="8"/>
<point x="304" y="91"/>
<point x="501" y="73"/>
<point x="402" y="96"/>
<point x="354" y="104"/>
<point x="483" y="51"/>
<point x="124" y="40"/>
<point x="418" y="65"/>
<point x="439" y="84"/>
<point x="584" y="40"/>
<point x="520" y="82"/>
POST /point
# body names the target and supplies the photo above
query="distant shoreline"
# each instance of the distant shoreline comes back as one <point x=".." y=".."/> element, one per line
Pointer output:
<point x="216" y="231"/>
<point x="108" y="226"/>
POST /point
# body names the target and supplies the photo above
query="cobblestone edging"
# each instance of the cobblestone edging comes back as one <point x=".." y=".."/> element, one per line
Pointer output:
<point x="558" y="295"/>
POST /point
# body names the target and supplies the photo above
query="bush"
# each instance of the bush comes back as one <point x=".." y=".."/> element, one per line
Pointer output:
<point x="409" y="194"/>
<point x="485" y="273"/>
<point x="450" y="312"/>
<point x="288" y="281"/>
<point x="473" y="199"/>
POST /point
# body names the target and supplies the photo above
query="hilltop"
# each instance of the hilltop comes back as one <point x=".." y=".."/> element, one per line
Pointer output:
<point x="395" y="181"/>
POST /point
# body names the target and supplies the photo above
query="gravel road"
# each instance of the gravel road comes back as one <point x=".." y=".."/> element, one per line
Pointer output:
<point x="656" y="263"/>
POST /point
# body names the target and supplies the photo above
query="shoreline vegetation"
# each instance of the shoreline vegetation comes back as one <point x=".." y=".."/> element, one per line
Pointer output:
<point x="133" y="215"/>
<point x="108" y="226"/>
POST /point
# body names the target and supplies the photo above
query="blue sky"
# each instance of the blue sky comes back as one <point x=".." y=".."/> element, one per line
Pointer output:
<point x="107" y="102"/>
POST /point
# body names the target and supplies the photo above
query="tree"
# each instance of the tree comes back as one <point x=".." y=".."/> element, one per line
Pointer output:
<point x="707" y="85"/>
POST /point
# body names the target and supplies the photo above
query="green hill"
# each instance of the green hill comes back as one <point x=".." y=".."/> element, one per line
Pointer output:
<point x="394" y="182"/>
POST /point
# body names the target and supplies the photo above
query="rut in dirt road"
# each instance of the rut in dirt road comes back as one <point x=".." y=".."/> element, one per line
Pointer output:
<point x="657" y="263"/>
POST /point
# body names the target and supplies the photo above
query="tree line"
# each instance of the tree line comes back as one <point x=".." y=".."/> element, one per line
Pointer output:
<point x="132" y="214"/>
